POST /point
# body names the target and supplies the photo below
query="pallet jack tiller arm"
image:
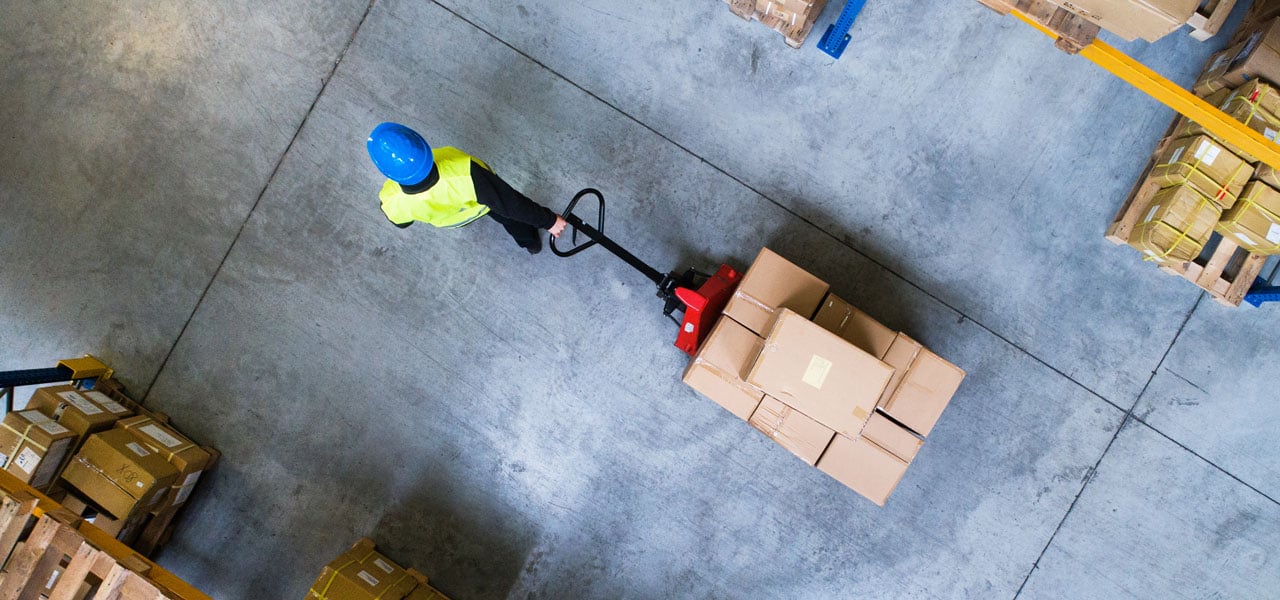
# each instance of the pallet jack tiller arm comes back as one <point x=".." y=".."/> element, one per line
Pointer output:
<point x="701" y="297"/>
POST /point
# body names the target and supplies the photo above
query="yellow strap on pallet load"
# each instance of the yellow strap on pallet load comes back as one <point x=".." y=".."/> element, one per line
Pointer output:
<point x="22" y="437"/>
<point x="1173" y="96"/>
<point x="324" y="592"/>
<point x="1195" y="168"/>
<point x="1245" y="203"/>
<point x="1182" y="233"/>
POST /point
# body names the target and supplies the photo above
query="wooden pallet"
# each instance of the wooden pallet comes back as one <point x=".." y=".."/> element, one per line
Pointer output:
<point x="1223" y="269"/>
<point x="794" y="30"/>
<point x="1074" y="31"/>
<point x="49" y="552"/>
<point x="1208" y="19"/>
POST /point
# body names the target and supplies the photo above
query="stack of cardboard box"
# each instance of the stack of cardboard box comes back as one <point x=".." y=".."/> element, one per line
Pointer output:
<point x="792" y="18"/>
<point x="1199" y="178"/>
<point x="96" y="457"/>
<point x="832" y="385"/>
<point x="362" y="573"/>
<point x="1133" y="19"/>
<point x="1240" y="82"/>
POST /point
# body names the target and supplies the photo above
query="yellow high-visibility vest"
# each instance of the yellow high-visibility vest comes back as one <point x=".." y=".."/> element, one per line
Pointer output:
<point x="451" y="202"/>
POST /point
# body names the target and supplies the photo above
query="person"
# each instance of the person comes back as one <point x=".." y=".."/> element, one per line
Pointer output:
<point x="449" y="188"/>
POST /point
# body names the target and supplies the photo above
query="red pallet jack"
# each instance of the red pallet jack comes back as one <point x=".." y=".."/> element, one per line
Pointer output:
<point x="700" y="296"/>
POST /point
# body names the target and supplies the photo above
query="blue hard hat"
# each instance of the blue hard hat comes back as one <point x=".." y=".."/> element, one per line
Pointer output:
<point x="400" y="153"/>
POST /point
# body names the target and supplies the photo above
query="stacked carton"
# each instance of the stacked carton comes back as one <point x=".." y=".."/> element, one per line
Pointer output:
<point x="1133" y="19"/>
<point x="792" y="18"/>
<point x="824" y="380"/>
<point x="362" y="573"/>
<point x="120" y="470"/>
<point x="1239" y="82"/>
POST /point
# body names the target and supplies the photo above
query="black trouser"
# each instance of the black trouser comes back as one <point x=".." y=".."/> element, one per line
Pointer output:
<point x="524" y="234"/>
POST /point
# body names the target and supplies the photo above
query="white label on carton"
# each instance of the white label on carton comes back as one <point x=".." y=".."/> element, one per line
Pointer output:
<point x="192" y="478"/>
<point x="1270" y="134"/>
<point x="53" y="428"/>
<point x="4" y="460"/>
<point x="1273" y="234"/>
<point x="160" y="435"/>
<point x="382" y="564"/>
<point x="1150" y="253"/>
<point x="1177" y="154"/>
<point x="369" y="579"/>
<point x="34" y="416"/>
<point x="1244" y="238"/>
<point x="80" y="402"/>
<point x="1207" y="153"/>
<point x="817" y="371"/>
<point x="183" y="493"/>
<point x="53" y="579"/>
<point x="27" y="460"/>
<point x="107" y="403"/>
<point x="1151" y="214"/>
<point x="138" y="449"/>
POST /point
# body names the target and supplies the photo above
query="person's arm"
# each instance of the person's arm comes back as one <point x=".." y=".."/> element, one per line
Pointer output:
<point x="400" y="225"/>
<point x="504" y="200"/>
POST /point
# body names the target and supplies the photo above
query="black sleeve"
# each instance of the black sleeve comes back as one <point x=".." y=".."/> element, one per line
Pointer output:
<point x="400" y="225"/>
<point x="506" y="202"/>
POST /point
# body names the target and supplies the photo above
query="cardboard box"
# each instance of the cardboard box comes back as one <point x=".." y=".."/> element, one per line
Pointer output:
<point x="718" y="370"/>
<point x="863" y="466"/>
<point x="893" y="437"/>
<point x="1206" y="165"/>
<point x="856" y="327"/>
<point x="74" y="410"/>
<point x="1267" y="175"/>
<point x="1262" y="95"/>
<point x="1254" y="222"/>
<point x="361" y="573"/>
<point x="770" y="285"/>
<point x="922" y="385"/>
<point x="1242" y="108"/>
<point x="33" y="447"/>
<point x="803" y="436"/>
<point x="113" y="407"/>
<point x="189" y="459"/>
<point x="1257" y="57"/>
<point x="1210" y="80"/>
<point x="819" y="374"/>
<point x="1133" y="19"/>
<point x="119" y="474"/>
<point x="1176" y="226"/>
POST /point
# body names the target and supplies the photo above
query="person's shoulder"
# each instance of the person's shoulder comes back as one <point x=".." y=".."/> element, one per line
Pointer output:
<point x="390" y="189"/>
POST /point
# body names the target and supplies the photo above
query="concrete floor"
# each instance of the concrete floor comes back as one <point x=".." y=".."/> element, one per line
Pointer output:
<point x="187" y="196"/>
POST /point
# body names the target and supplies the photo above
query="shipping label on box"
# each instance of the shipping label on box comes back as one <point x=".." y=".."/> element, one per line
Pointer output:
<point x="819" y="374"/>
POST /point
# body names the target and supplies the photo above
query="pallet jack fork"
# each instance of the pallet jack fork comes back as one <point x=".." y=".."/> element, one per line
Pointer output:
<point x="75" y="370"/>
<point x="700" y="296"/>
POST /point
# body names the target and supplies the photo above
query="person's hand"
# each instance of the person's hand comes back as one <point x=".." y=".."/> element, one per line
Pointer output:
<point x="558" y="228"/>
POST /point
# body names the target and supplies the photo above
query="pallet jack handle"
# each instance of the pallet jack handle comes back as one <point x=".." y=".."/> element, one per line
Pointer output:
<point x="597" y="236"/>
